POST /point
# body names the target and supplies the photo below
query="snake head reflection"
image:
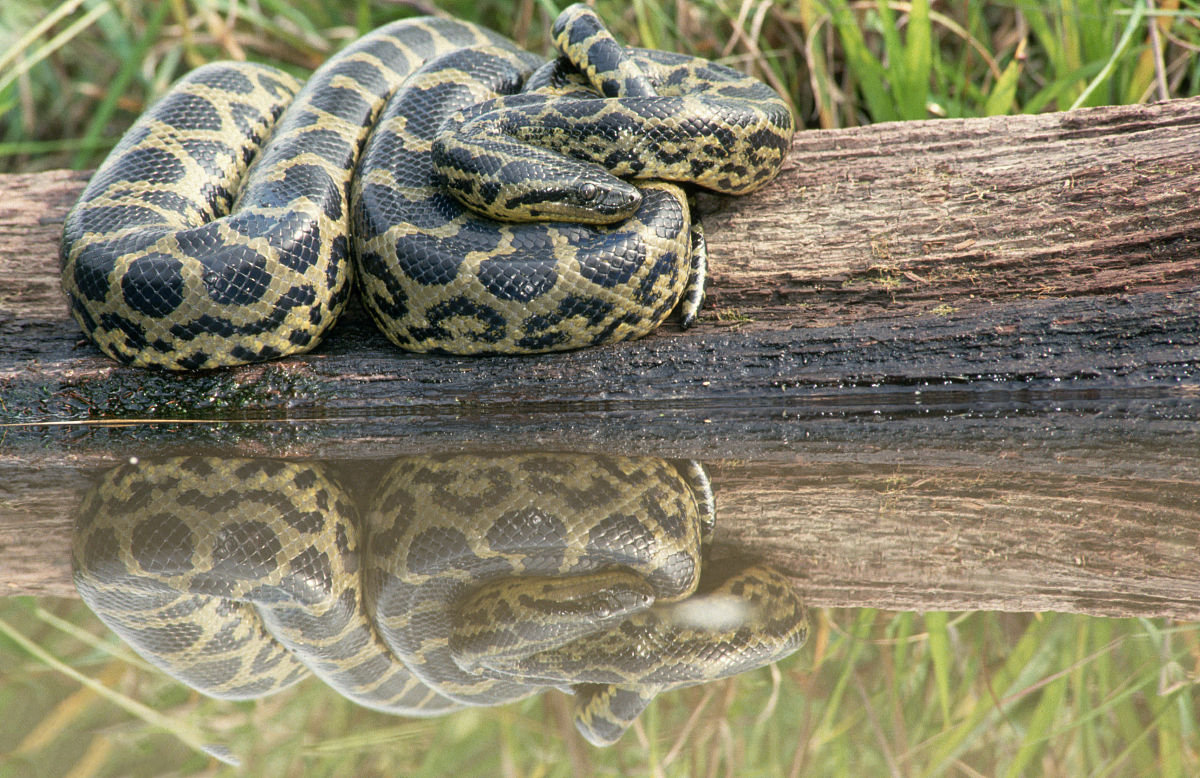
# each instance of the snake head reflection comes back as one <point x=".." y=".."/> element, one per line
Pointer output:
<point x="506" y="620"/>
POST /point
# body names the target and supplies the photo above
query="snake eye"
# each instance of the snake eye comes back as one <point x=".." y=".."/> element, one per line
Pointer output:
<point x="589" y="191"/>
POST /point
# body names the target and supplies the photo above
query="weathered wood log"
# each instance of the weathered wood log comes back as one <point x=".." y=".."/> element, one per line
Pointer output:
<point x="1050" y="245"/>
<point x="943" y="365"/>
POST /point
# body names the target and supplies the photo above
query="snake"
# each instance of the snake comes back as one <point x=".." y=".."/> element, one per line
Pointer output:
<point x="486" y="201"/>
<point x="462" y="580"/>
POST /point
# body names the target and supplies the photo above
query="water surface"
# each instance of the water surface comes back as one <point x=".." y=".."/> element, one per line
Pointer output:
<point x="999" y="583"/>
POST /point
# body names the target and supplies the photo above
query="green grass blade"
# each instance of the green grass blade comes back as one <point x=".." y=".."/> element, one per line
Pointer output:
<point x="645" y="30"/>
<point x="857" y="641"/>
<point x="296" y="16"/>
<point x="1135" y="21"/>
<point x="1170" y="738"/>
<point x="893" y="45"/>
<point x="1057" y="90"/>
<point x="939" y="653"/>
<point x="52" y="45"/>
<point x="185" y="732"/>
<point x="1003" y="97"/>
<point x="34" y="147"/>
<point x="362" y="17"/>
<point x="35" y="32"/>
<point x="1148" y="765"/>
<point x="1041" y="724"/>
<point x="104" y="111"/>
<point x="1048" y="37"/>
<point x="1025" y="659"/>
<point x="867" y="70"/>
<point x="917" y="62"/>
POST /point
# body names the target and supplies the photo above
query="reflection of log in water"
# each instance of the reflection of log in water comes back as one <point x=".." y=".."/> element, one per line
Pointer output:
<point x="1101" y="518"/>
<point x="955" y="538"/>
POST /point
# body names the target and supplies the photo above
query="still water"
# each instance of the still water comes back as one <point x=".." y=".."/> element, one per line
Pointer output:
<point x="923" y="591"/>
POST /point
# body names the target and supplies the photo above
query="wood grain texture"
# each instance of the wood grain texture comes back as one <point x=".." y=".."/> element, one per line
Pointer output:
<point x="927" y="537"/>
<point x="901" y="217"/>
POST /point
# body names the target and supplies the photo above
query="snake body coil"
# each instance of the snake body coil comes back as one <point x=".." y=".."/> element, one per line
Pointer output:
<point x="219" y="230"/>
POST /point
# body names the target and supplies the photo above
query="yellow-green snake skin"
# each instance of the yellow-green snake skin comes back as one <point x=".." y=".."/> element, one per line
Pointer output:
<point x="482" y="198"/>
<point x="463" y="580"/>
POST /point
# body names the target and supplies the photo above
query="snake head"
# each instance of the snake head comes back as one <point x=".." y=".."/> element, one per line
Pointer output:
<point x="567" y="190"/>
<point x="590" y="196"/>
<point x="516" y="182"/>
<point x="596" y="197"/>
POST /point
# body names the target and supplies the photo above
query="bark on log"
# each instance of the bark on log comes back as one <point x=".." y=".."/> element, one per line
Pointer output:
<point x="908" y="305"/>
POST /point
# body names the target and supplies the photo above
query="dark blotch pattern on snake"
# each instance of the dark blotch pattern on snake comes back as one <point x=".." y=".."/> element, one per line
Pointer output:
<point x="463" y="580"/>
<point x="491" y="205"/>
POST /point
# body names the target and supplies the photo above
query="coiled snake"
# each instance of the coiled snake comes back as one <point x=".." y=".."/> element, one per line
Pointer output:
<point x="463" y="580"/>
<point x="222" y="228"/>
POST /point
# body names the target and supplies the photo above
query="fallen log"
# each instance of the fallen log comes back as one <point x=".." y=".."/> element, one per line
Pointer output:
<point x="1049" y="245"/>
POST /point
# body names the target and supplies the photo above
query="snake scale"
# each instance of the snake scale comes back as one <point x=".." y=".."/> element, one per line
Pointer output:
<point x="464" y="579"/>
<point x="487" y="202"/>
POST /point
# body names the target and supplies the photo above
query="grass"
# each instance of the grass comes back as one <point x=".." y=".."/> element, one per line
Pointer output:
<point x="874" y="693"/>
<point x="75" y="73"/>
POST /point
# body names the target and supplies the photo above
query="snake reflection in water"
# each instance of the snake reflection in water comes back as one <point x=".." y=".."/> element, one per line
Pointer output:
<point x="482" y="196"/>
<point x="463" y="580"/>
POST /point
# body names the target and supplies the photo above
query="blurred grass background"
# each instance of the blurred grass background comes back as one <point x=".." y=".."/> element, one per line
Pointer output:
<point x="75" y="73"/>
<point x="873" y="693"/>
